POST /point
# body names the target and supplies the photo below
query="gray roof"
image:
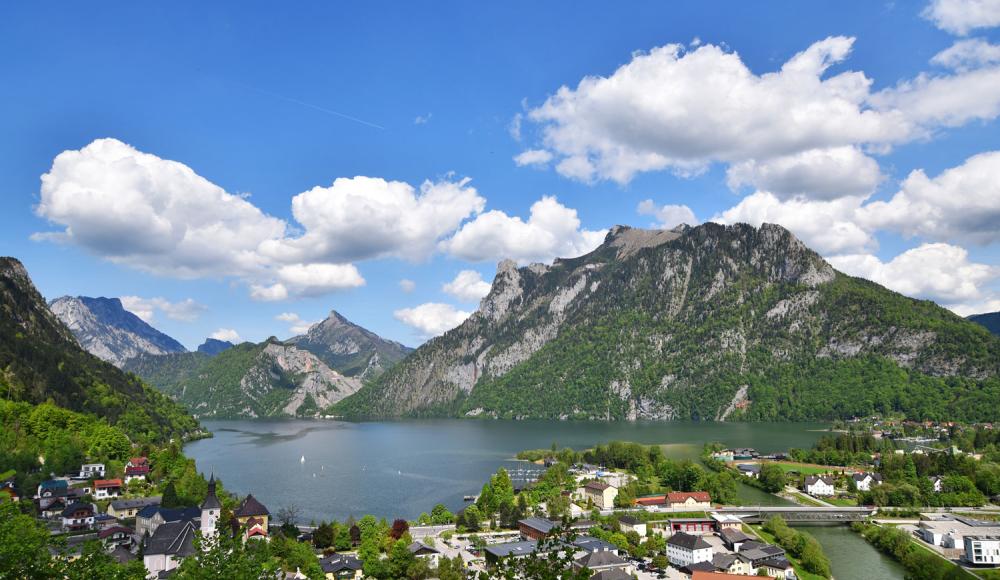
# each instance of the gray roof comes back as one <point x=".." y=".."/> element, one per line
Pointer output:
<point x="723" y="561"/>
<point x="732" y="535"/>
<point x="420" y="549"/>
<point x="173" y="538"/>
<point x="139" y="502"/>
<point x="688" y="541"/>
<point x="512" y="549"/>
<point x="592" y="544"/>
<point x="211" y="501"/>
<point x="339" y="562"/>
<point x="629" y="520"/>
<point x="612" y="574"/>
<point x="603" y="559"/>
<point x="812" y="479"/>
<point x="541" y="524"/>
<point x="76" y="506"/>
<point x="779" y="563"/>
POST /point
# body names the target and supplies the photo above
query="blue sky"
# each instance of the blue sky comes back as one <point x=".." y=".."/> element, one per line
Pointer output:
<point x="711" y="117"/>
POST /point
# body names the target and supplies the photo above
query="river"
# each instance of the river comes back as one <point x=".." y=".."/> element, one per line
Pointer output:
<point x="402" y="468"/>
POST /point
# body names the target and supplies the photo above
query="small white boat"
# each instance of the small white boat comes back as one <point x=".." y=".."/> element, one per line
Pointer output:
<point x="303" y="460"/>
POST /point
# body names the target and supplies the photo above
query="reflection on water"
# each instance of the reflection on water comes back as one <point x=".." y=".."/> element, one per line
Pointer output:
<point x="403" y="468"/>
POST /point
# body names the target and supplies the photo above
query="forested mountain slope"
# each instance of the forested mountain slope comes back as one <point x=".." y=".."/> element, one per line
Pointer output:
<point x="349" y="348"/>
<point x="105" y="329"/>
<point x="991" y="321"/>
<point x="711" y="322"/>
<point x="40" y="360"/>
<point x="248" y="380"/>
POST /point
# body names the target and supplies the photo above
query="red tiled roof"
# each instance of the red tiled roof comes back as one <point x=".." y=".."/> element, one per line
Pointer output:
<point x="138" y="461"/>
<point x="113" y="530"/>
<point x="682" y="496"/>
<point x="101" y="483"/>
<point x="651" y="500"/>
<point x="137" y="470"/>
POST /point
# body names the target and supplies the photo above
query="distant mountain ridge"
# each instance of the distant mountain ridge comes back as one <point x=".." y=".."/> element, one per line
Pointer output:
<point x="990" y="320"/>
<point x="41" y="360"/>
<point x="711" y="322"/>
<point x="349" y="348"/>
<point x="105" y="329"/>
<point x="270" y="379"/>
<point x="213" y="346"/>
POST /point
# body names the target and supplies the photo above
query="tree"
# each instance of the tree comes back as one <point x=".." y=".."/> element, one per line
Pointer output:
<point x="472" y="515"/>
<point x="772" y="477"/>
<point x="323" y="536"/>
<point x="399" y="528"/>
<point x="451" y="569"/>
<point x="440" y="515"/>
<point x="399" y="561"/>
<point x="169" y="499"/>
<point x="222" y="556"/>
<point x="23" y="545"/>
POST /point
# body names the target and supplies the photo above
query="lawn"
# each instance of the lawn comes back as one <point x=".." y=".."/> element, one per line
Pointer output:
<point x="806" y="500"/>
<point x="841" y="501"/>
<point x="805" y="468"/>
<point x="800" y="572"/>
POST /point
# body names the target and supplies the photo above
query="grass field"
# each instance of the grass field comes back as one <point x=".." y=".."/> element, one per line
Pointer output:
<point x="841" y="501"/>
<point x="799" y="570"/>
<point x="806" y="500"/>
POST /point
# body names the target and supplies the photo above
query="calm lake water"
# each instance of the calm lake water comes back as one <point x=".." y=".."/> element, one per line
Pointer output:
<point x="402" y="468"/>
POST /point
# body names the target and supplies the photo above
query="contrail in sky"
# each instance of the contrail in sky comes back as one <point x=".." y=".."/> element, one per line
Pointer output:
<point x="317" y="107"/>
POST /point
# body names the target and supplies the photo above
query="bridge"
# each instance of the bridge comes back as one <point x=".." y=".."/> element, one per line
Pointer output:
<point x="754" y="514"/>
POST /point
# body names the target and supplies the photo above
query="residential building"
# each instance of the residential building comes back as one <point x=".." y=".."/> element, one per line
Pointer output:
<point x="749" y="469"/>
<point x="684" y="549"/>
<point x="107" y="488"/>
<point x="612" y="574"/>
<point x="78" y="516"/>
<point x="689" y="500"/>
<point x="601" y="561"/>
<point x="425" y="552"/>
<point x="865" y="481"/>
<point x="104" y="521"/>
<point x="116" y="536"/>
<point x="819" y="485"/>
<point x="778" y="567"/>
<point x="757" y="553"/>
<point x="936" y="482"/>
<point x="252" y="517"/>
<point x="592" y="544"/>
<point x="51" y="490"/>
<point x="652" y="503"/>
<point x="723" y="521"/>
<point x="137" y="468"/>
<point x="732" y="564"/>
<point x="982" y="550"/>
<point x="124" y="509"/>
<point x="92" y="470"/>
<point x="341" y="567"/>
<point x="535" y="528"/>
<point x="54" y="509"/>
<point x="497" y="552"/>
<point x="632" y="524"/>
<point x="150" y="518"/>
<point x="165" y="549"/>
<point x="602" y="494"/>
<point x="734" y="538"/>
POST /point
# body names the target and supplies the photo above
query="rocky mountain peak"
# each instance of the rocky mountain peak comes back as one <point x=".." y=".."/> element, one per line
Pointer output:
<point x="349" y="348"/>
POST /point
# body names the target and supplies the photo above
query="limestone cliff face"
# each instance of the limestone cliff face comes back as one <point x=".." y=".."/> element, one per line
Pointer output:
<point x="106" y="330"/>
<point x="664" y="324"/>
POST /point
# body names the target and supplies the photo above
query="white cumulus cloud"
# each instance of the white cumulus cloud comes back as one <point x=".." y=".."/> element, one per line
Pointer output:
<point x="667" y="216"/>
<point x="939" y="272"/>
<point x="227" y="334"/>
<point x="468" y="286"/>
<point x="968" y="54"/>
<point x="963" y="16"/>
<point x="295" y="323"/>
<point x="407" y="285"/>
<point x="817" y="173"/>
<point x="533" y="157"/>
<point x="552" y="230"/>
<point x="432" y="318"/>
<point x="186" y="310"/>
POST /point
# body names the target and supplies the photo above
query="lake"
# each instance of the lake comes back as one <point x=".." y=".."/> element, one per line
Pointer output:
<point x="402" y="468"/>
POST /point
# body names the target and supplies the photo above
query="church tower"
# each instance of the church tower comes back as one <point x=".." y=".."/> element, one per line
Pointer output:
<point x="211" y="511"/>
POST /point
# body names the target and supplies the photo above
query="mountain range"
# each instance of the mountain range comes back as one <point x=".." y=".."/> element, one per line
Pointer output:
<point x="990" y="321"/>
<point x="711" y="322"/>
<point x="349" y="348"/>
<point x="41" y="360"/>
<point x="105" y="329"/>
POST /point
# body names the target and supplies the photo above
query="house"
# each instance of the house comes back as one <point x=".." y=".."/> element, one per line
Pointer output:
<point x="684" y="549"/>
<point x="749" y="469"/>
<point x="104" y="521"/>
<point x="778" y="567"/>
<point x="165" y="549"/>
<point x="137" y="468"/>
<point x="7" y="489"/>
<point x="601" y="561"/>
<point x="602" y="494"/>
<point x="632" y="524"/>
<point x="734" y="538"/>
<point x="981" y="550"/>
<point x="818" y="485"/>
<point x="689" y="500"/>
<point x="652" y="503"/>
<point x="79" y="516"/>
<point x="91" y="471"/>
<point x="497" y="552"/>
<point x="252" y="516"/>
<point x="150" y="518"/>
<point x="535" y="528"/>
<point x="124" y="509"/>
<point x="116" y="536"/>
<point x="697" y="526"/>
<point x="341" y="567"/>
<point x="865" y="481"/>
<point x="51" y="490"/>
<point x="592" y="544"/>
<point x="936" y="483"/>
<point x="425" y="552"/>
<point x="612" y="574"/>
<point x="757" y="553"/>
<point x="690" y="569"/>
<point x="732" y="564"/>
<point x="107" y="488"/>
<point x="54" y="509"/>
<point x="724" y="521"/>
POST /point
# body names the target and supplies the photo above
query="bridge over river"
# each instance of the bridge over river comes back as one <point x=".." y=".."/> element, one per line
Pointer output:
<point x="799" y="513"/>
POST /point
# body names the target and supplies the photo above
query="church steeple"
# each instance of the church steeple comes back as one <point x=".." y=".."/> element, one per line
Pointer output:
<point x="211" y="510"/>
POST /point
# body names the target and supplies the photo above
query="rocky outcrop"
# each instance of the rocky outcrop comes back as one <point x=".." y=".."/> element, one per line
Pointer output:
<point x="105" y="329"/>
<point x="349" y="348"/>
